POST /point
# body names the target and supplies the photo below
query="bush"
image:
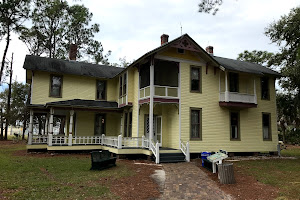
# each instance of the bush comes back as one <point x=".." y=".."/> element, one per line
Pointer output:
<point x="293" y="136"/>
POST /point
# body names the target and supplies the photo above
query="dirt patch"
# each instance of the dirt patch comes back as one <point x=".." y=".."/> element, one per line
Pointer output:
<point x="140" y="185"/>
<point x="246" y="187"/>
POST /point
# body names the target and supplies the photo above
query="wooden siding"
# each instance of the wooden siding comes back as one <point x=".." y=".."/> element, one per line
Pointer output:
<point x="73" y="87"/>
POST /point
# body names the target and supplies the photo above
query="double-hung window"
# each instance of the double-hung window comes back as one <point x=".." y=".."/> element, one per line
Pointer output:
<point x="234" y="126"/>
<point x="196" y="79"/>
<point x="266" y="123"/>
<point x="128" y="124"/>
<point x="123" y="84"/>
<point x="265" y="95"/>
<point x="101" y="90"/>
<point x="233" y="82"/>
<point x="55" y="86"/>
<point x="196" y="123"/>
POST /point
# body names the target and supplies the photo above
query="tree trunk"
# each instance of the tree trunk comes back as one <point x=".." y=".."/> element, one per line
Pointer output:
<point x="4" y="54"/>
<point x="1" y="136"/>
<point x="24" y="127"/>
<point x="8" y="98"/>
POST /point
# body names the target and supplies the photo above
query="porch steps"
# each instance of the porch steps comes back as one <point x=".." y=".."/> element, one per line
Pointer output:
<point x="171" y="157"/>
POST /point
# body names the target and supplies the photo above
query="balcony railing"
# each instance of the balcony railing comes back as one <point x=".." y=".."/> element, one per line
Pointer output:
<point x="238" y="97"/>
<point x="160" y="91"/>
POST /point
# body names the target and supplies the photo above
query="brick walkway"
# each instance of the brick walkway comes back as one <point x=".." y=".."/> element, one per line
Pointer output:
<point x="187" y="181"/>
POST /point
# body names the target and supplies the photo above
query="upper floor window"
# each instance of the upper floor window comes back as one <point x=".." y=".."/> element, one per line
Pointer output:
<point x="265" y="88"/>
<point x="196" y="79"/>
<point x="233" y="82"/>
<point x="196" y="126"/>
<point x="55" y="86"/>
<point x="123" y="84"/>
<point x="128" y="125"/>
<point x="234" y="126"/>
<point x="266" y="121"/>
<point x="101" y="90"/>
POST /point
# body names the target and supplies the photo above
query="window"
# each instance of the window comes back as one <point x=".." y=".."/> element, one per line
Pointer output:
<point x="128" y="124"/>
<point x="55" y="86"/>
<point x="99" y="124"/>
<point x="196" y="126"/>
<point x="233" y="82"/>
<point x="265" y="88"/>
<point x="101" y="90"/>
<point x="266" y="121"/>
<point x="181" y="51"/>
<point x="234" y="126"/>
<point x="196" y="79"/>
<point x="123" y="84"/>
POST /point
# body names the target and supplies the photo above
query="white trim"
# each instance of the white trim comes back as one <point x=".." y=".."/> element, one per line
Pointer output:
<point x="179" y="96"/>
<point x="151" y="108"/>
<point x="31" y="89"/>
<point x="179" y="60"/>
<point x="138" y="106"/>
<point x="127" y="87"/>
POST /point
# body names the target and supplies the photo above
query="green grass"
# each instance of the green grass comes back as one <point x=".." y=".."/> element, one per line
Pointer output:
<point x="283" y="174"/>
<point x="58" y="177"/>
<point x="295" y="152"/>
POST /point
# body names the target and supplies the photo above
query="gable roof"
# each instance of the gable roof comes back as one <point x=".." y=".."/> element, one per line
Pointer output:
<point x="70" y="67"/>
<point x="243" y="66"/>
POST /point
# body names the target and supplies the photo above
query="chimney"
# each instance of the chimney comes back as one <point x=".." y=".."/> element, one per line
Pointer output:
<point x="73" y="52"/>
<point x="210" y="50"/>
<point x="164" y="38"/>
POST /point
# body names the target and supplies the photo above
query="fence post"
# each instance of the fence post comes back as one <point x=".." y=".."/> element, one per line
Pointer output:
<point x="187" y="152"/>
<point x="278" y="150"/>
<point x="143" y="144"/>
<point x="70" y="140"/>
<point x="50" y="137"/>
<point x="102" y="139"/>
<point x="157" y="153"/>
<point x="120" y="142"/>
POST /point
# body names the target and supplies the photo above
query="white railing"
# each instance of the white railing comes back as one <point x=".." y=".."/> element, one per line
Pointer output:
<point x="159" y="91"/>
<point x="145" y="142"/>
<point x="132" y="142"/>
<point x="39" y="139"/>
<point x="155" y="150"/>
<point x="58" y="140"/>
<point x="238" y="97"/>
<point x="111" y="141"/>
<point x="87" y="140"/>
<point x="185" y="150"/>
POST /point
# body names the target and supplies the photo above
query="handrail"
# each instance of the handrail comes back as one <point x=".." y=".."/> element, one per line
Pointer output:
<point x="185" y="150"/>
<point x="155" y="150"/>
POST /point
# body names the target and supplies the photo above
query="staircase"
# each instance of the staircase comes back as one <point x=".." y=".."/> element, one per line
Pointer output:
<point x="171" y="156"/>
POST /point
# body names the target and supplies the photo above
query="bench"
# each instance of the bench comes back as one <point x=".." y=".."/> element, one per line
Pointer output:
<point x="102" y="160"/>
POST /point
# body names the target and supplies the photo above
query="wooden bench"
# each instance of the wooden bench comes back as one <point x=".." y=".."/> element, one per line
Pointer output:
<point x="102" y="160"/>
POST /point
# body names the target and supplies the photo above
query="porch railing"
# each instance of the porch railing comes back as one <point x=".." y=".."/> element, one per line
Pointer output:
<point x="39" y="139"/>
<point x="87" y="140"/>
<point x="238" y="97"/>
<point x="160" y="91"/>
<point x="155" y="150"/>
<point x="185" y="150"/>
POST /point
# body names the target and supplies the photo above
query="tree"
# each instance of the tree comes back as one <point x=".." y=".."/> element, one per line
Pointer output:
<point x="207" y="6"/>
<point x="18" y="100"/>
<point x="258" y="57"/>
<point x="12" y="15"/>
<point x="285" y="33"/>
<point x="56" y="25"/>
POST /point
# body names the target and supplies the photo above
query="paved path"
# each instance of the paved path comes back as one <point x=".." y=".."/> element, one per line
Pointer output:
<point x="187" y="181"/>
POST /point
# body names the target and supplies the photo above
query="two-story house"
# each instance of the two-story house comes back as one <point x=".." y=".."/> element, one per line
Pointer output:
<point x="175" y="98"/>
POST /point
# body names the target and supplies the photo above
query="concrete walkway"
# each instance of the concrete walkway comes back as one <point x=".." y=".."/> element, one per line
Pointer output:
<point x="187" y="181"/>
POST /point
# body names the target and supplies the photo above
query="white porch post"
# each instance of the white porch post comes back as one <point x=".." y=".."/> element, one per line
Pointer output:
<point x="143" y="142"/>
<point x="226" y="87"/>
<point x="188" y="152"/>
<point x="120" y="142"/>
<point x="30" y="128"/>
<point x="151" y="100"/>
<point x="71" y="128"/>
<point x="47" y="125"/>
<point x="157" y="153"/>
<point x="254" y="92"/>
<point x="51" y="126"/>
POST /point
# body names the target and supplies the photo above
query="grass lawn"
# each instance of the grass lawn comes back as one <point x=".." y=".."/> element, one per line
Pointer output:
<point x="283" y="174"/>
<point x="57" y="177"/>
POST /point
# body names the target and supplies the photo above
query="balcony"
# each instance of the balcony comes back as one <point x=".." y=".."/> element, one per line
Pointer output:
<point x="160" y="91"/>
<point x="235" y="99"/>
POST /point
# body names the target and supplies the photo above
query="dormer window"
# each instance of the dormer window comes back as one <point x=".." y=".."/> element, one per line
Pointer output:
<point x="181" y="51"/>
<point x="55" y="86"/>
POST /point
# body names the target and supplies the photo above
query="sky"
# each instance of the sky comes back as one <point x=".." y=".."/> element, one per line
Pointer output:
<point x="131" y="28"/>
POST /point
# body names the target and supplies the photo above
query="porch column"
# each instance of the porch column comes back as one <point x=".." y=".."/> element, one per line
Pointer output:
<point x="46" y="125"/>
<point x="151" y="100"/>
<point x="226" y="87"/>
<point x="254" y="92"/>
<point x="30" y="128"/>
<point x="50" y="136"/>
<point x="71" y="127"/>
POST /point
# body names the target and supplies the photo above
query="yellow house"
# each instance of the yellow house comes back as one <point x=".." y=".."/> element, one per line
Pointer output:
<point x="175" y="100"/>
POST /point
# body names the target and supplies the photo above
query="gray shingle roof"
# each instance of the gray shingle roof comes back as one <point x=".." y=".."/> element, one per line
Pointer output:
<point x="70" y="67"/>
<point x="242" y="66"/>
<point x="85" y="103"/>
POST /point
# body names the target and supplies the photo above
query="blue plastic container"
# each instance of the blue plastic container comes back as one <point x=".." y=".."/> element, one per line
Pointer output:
<point x="204" y="156"/>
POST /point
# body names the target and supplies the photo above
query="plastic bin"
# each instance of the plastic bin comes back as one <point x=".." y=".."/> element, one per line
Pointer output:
<point x="204" y="156"/>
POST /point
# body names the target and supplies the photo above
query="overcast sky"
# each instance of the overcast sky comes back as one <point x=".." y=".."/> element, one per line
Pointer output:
<point x="131" y="28"/>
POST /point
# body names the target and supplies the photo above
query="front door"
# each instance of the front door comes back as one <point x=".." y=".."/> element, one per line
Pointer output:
<point x="99" y="124"/>
<point x="157" y="128"/>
